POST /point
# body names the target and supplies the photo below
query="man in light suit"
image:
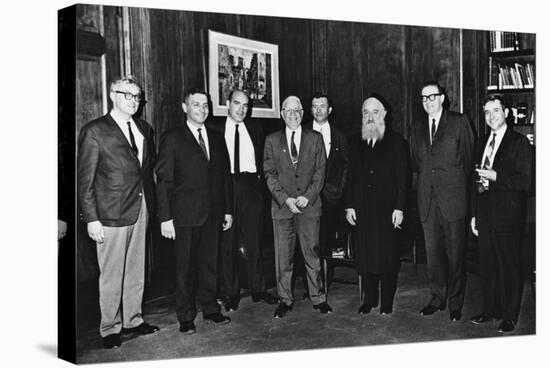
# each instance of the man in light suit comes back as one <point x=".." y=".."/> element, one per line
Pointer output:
<point x="442" y="151"/>
<point x="294" y="167"/>
<point x="116" y="154"/>
<point x="245" y="142"/>
<point x="194" y="192"/>
<point x="499" y="194"/>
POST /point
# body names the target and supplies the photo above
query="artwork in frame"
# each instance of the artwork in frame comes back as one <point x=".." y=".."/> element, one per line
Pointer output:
<point x="249" y="65"/>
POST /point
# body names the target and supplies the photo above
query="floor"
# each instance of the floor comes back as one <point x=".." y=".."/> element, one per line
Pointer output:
<point x="253" y="329"/>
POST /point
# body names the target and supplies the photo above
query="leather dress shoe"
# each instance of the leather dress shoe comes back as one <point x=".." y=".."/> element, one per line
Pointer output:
<point x="324" y="308"/>
<point x="506" y="326"/>
<point x="265" y="296"/>
<point x="111" y="341"/>
<point x="482" y="318"/>
<point x="364" y="309"/>
<point x="455" y="315"/>
<point x="217" y="318"/>
<point x="281" y="310"/>
<point x="429" y="310"/>
<point x="143" y="329"/>
<point x="187" y="327"/>
<point x="386" y="310"/>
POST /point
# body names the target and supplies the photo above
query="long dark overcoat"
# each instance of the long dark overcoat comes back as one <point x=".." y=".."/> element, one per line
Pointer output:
<point x="377" y="185"/>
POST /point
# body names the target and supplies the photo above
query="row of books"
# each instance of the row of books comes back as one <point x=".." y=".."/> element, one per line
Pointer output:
<point x="516" y="75"/>
<point x="503" y="41"/>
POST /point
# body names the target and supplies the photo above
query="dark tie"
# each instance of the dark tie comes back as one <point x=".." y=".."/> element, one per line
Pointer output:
<point x="487" y="161"/>
<point x="132" y="139"/>
<point x="236" y="156"/>
<point x="293" y="150"/>
<point x="201" y="143"/>
<point x="433" y="130"/>
<point x="371" y="143"/>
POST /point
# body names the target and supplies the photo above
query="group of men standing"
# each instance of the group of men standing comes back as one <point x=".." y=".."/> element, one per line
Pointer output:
<point x="209" y="200"/>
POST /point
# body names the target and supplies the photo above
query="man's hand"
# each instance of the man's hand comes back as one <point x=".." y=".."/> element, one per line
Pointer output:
<point x="61" y="229"/>
<point x="167" y="229"/>
<point x="488" y="174"/>
<point x="302" y="201"/>
<point x="227" y="222"/>
<point x="95" y="231"/>
<point x="291" y="204"/>
<point x="350" y="216"/>
<point x="397" y="218"/>
<point x="474" y="227"/>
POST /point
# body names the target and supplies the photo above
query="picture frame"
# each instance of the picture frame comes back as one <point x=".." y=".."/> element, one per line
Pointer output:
<point x="249" y="65"/>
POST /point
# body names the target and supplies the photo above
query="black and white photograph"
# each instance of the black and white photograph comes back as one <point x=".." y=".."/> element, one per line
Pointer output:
<point x="267" y="184"/>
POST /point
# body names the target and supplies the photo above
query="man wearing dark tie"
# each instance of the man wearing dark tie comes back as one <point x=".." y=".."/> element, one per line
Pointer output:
<point x="194" y="192"/>
<point x="442" y="153"/>
<point x="499" y="194"/>
<point x="294" y="166"/>
<point x="116" y="155"/>
<point x="244" y="141"/>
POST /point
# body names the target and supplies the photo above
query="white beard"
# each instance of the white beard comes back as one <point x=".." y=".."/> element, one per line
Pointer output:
<point x="372" y="131"/>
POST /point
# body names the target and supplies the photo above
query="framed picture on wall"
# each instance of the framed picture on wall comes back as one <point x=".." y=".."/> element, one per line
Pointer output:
<point x="240" y="63"/>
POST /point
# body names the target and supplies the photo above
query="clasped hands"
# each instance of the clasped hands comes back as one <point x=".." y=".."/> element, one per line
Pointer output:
<point x="294" y="204"/>
<point x="396" y="217"/>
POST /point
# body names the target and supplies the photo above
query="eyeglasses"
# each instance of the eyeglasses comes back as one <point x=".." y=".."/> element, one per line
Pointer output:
<point x="430" y="97"/>
<point x="295" y="111"/>
<point x="129" y="96"/>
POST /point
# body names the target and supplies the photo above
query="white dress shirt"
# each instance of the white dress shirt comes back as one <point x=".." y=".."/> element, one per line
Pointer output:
<point x="195" y="130"/>
<point x="138" y="137"/>
<point x="297" y="139"/>
<point x="247" y="158"/>
<point x="324" y="129"/>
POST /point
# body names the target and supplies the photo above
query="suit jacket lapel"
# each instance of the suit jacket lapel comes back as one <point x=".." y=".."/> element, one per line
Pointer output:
<point x="441" y="127"/>
<point x="284" y="147"/>
<point x="141" y="129"/>
<point x="121" y="135"/>
<point x="190" y="137"/>
<point x="502" y="147"/>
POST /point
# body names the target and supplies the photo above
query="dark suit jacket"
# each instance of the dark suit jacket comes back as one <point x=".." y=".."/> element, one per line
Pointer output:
<point x="111" y="181"/>
<point x="284" y="181"/>
<point x="189" y="187"/>
<point x="337" y="164"/>
<point x="506" y="196"/>
<point x="444" y="167"/>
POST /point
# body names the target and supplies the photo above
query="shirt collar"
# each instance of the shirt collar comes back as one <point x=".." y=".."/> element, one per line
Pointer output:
<point x="317" y="126"/>
<point x="120" y="120"/>
<point x="500" y="131"/>
<point x="195" y="128"/>
<point x="437" y="117"/>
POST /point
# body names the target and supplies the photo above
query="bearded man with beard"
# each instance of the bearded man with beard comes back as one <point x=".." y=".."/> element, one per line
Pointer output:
<point x="374" y="199"/>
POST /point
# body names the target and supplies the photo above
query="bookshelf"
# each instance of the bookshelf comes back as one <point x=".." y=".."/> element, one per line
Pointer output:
<point x="510" y="72"/>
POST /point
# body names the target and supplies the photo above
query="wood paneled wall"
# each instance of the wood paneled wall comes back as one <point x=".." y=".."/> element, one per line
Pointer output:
<point x="346" y="60"/>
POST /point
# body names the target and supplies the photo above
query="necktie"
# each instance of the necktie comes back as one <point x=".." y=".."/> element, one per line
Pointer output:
<point x="487" y="161"/>
<point x="201" y="143"/>
<point x="132" y="139"/>
<point x="236" y="156"/>
<point x="293" y="150"/>
<point x="433" y="130"/>
<point x="371" y="143"/>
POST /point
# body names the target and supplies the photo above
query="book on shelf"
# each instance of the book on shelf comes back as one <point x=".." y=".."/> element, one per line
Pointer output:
<point x="503" y="41"/>
<point x="521" y="113"/>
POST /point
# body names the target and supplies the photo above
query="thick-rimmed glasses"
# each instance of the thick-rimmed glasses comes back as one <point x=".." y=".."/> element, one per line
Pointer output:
<point x="129" y="96"/>
<point x="293" y="111"/>
<point x="430" y="97"/>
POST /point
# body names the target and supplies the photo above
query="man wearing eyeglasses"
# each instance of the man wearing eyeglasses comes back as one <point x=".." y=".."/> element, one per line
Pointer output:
<point x="442" y="152"/>
<point x="294" y="167"/>
<point x="116" y="155"/>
